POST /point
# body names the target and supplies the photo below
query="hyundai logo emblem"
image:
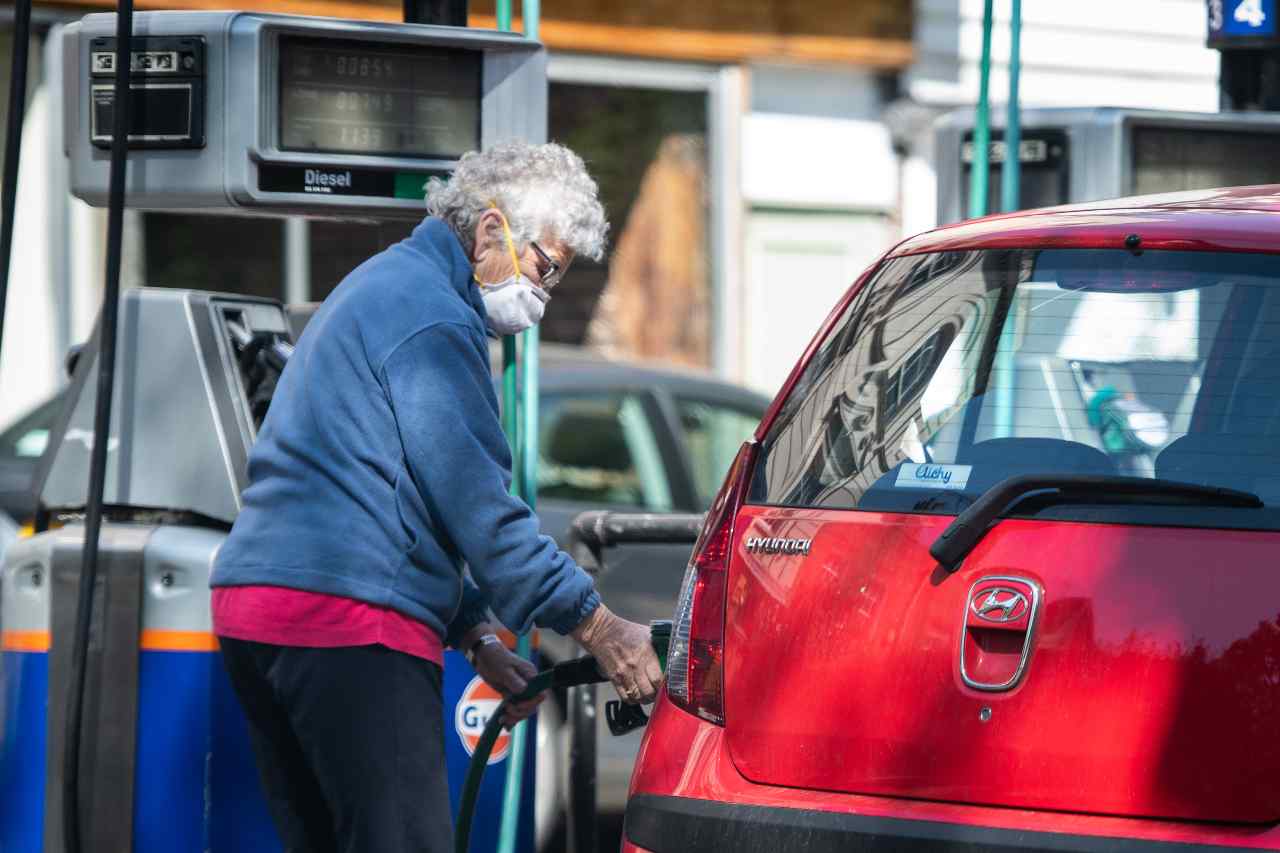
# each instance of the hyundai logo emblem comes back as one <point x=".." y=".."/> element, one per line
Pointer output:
<point x="999" y="604"/>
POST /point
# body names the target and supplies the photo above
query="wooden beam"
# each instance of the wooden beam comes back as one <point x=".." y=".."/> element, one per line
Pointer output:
<point x="349" y="9"/>
<point x="580" y="37"/>
<point x="722" y="47"/>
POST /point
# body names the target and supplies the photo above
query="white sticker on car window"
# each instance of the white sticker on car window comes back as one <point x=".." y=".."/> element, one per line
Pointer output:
<point x="912" y="476"/>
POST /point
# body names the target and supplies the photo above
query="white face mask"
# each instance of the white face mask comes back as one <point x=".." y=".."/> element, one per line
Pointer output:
<point x="515" y="303"/>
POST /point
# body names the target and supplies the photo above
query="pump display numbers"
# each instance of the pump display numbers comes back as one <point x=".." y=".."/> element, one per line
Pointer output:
<point x="355" y="98"/>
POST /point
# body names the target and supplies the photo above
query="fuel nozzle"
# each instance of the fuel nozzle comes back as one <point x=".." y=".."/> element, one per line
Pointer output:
<point x="623" y="717"/>
<point x="660" y="636"/>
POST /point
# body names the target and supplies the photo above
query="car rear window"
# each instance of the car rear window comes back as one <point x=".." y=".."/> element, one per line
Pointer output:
<point x="950" y="372"/>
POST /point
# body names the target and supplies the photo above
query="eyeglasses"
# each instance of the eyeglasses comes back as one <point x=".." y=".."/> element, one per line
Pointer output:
<point x="552" y="272"/>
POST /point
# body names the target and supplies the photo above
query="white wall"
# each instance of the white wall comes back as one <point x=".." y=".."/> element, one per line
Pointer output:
<point x="824" y="163"/>
<point x="28" y="362"/>
<point x="58" y="262"/>
<point x="820" y="195"/>
<point x="799" y="264"/>
<point x="1122" y="53"/>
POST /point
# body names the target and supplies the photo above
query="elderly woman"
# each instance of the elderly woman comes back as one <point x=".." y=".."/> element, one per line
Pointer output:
<point x="380" y="471"/>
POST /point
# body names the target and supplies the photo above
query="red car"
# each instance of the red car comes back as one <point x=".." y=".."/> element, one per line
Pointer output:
<point x="1000" y="569"/>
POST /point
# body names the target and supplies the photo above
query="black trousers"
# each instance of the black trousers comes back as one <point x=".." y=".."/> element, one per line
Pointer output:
<point x="349" y="744"/>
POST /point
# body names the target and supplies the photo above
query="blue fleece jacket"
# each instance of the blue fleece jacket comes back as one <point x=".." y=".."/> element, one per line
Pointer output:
<point x="382" y="467"/>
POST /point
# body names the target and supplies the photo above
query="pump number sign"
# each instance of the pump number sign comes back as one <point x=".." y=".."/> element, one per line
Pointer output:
<point x="1243" y="22"/>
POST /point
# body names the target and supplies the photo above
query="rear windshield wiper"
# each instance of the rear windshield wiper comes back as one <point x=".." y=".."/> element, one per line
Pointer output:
<point x="970" y="526"/>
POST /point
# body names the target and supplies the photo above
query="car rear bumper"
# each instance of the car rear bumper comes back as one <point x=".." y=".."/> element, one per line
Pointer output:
<point x="687" y="795"/>
<point x="668" y="824"/>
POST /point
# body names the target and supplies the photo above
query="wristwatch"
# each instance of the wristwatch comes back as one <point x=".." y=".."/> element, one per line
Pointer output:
<point x="485" y="639"/>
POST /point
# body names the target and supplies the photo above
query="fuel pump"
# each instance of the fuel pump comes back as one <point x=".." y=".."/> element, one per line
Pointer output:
<point x="231" y="113"/>
<point x="1081" y="154"/>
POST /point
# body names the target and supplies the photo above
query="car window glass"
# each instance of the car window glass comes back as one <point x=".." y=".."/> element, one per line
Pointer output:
<point x="600" y="449"/>
<point x="712" y="434"/>
<point x="29" y="436"/>
<point x="31" y="444"/>
<point x="643" y="445"/>
<point x="957" y="370"/>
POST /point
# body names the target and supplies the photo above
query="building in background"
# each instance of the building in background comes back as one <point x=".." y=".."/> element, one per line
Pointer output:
<point x="754" y="156"/>
<point x="1147" y="54"/>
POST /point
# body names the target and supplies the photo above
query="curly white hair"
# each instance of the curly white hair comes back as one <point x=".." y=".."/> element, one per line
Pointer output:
<point x="543" y="190"/>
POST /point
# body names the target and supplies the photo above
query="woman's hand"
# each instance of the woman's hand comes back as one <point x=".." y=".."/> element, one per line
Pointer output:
<point x="624" y="652"/>
<point x="504" y="671"/>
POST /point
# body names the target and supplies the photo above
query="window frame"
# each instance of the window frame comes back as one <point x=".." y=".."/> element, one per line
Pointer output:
<point x="669" y="400"/>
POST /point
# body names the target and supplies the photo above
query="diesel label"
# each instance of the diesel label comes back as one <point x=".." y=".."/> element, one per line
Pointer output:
<point x="316" y="181"/>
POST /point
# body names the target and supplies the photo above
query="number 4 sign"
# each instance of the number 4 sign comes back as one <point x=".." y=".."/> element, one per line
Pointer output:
<point x="1233" y="19"/>
<point x="1250" y="12"/>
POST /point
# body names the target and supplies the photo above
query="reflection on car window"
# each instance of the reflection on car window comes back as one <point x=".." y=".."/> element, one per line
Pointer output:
<point x="950" y="377"/>
<point x="31" y="444"/>
<point x="600" y="450"/>
<point x="28" y="437"/>
<point x="712" y="435"/>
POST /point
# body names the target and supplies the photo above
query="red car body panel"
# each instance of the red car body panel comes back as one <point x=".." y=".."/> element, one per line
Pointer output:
<point x="1146" y="711"/>
<point x="683" y="756"/>
<point x="1186" y="230"/>
<point x="862" y="691"/>
<point x="1237" y="219"/>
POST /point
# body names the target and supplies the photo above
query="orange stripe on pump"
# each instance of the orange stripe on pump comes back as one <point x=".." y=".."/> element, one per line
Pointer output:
<point x="24" y="641"/>
<point x="155" y="640"/>
<point x="509" y="639"/>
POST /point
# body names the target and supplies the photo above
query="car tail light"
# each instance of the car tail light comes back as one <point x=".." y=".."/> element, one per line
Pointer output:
<point x="695" y="666"/>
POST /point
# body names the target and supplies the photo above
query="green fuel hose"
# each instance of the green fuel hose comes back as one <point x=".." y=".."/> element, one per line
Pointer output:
<point x="572" y="673"/>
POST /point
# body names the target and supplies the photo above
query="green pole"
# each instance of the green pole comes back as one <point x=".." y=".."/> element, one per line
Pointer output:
<point x="532" y="14"/>
<point x="1012" y="172"/>
<point x="981" y="125"/>
<point x="524" y="434"/>
<point x="529" y="340"/>
<point x="1005" y="366"/>
<point x="526" y="475"/>
<point x="510" y="400"/>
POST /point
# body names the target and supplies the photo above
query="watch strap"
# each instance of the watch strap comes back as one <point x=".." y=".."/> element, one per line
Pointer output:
<point x="483" y="640"/>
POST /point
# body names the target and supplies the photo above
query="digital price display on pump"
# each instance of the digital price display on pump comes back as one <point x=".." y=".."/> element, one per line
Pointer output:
<point x="346" y="97"/>
<point x="286" y="115"/>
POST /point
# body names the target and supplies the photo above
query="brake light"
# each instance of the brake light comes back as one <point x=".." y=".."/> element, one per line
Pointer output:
<point x="695" y="666"/>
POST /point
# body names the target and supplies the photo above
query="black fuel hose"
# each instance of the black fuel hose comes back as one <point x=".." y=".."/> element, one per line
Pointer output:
<point x="13" y="144"/>
<point x="71" y="834"/>
<point x="571" y="673"/>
